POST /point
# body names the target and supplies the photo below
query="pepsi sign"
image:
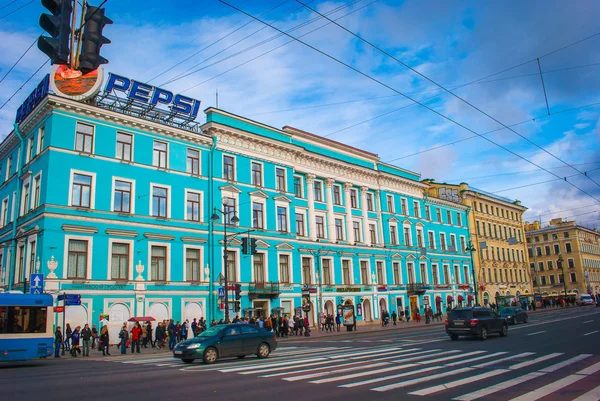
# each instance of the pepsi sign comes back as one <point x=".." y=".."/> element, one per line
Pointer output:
<point x="153" y="96"/>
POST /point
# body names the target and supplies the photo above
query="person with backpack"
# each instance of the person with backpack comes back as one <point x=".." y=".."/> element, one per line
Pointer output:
<point x="58" y="341"/>
<point x="124" y="336"/>
<point x="338" y="321"/>
<point x="75" y="336"/>
<point x="394" y="317"/>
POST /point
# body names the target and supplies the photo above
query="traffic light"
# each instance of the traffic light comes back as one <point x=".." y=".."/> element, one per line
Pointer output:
<point x="58" y="25"/>
<point x="92" y="39"/>
<point x="238" y="292"/>
<point x="252" y="246"/>
<point x="237" y="306"/>
<point x="245" y="250"/>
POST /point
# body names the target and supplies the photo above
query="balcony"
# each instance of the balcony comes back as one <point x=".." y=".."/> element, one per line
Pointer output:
<point x="262" y="290"/>
<point x="415" y="288"/>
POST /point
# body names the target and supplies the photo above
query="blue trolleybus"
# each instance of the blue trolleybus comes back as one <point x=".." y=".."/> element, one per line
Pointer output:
<point x="25" y="326"/>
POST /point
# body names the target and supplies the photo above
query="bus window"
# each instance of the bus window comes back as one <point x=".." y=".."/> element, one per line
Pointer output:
<point x="22" y="319"/>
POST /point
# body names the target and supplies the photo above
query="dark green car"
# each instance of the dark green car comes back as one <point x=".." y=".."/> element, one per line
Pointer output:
<point x="227" y="340"/>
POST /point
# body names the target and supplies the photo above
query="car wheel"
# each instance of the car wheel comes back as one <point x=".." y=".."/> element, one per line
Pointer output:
<point x="187" y="360"/>
<point x="483" y="334"/>
<point x="454" y="337"/>
<point x="263" y="350"/>
<point x="241" y="356"/>
<point x="526" y="319"/>
<point x="504" y="331"/>
<point x="210" y="355"/>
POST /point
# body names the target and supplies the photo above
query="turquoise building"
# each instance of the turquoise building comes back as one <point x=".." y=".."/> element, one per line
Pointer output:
<point x="119" y="209"/>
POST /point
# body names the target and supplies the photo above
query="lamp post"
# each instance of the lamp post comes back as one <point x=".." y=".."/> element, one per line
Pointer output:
<point x="233" y="220"/>
<point x="562" y="267"/>
<point x="472" y="249"/>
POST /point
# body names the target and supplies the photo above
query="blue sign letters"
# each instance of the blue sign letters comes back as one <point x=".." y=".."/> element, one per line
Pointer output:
<point x="153" y="96"/>
<point x="33" y="99"/>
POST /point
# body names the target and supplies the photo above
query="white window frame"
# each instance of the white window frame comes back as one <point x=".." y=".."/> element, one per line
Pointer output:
<point x="132" y="198"/>
<point x="304" y="222"/>
<point x="387" y="197"/>
<point x="202" y="263"/>
<point x="351" y="272"/>
<point x="132" y="146"/>
<point x="284" y="189"/>
<point x="199" y="161"/>
<point x="424" y="280"/>
<point x="30" y="269"/>
<point x="302" y="195"/>
<point x="313" y="276"/>
<point x="434" y="247"/>
<point x="93" y="152"/>
<point x="369" y="271"/>
<point x="290" y="267"/>
<point x="200" y="206"/>
<point x="16" y="279"/>
<point x="7" y="199"/>
<point x="262" y="173"/>
<point x="325" y="225"/>
<point x="131" y="259"/>
<point x="90" y="248"/>
<point x="410" y="239"/>
<point x="28" y="154"/>
<point x="395" y="241"/>
<point x="323" y="191"/>
<point x="167" y="260"/>
<point x="410" y="265"/>
<point x="237" y="262"/>
<point x="92" y="191"/>
<point x="152" y="185"/>
<point x="166" y="167"/>
<point x="23" y="208"/>
<point x="405" y="201"/>
<point x="39" y="144"/>
<point x="453" y="240"/>
<point x="417" y="209"/>
<point x="384" y="271"/>
<point x="423" y="239"/>
<point x="399" y="271"/>
<point x="3" y="270"/>
<point x="234" y="167"/>
<point x="32" y="204"/>
<point x="456" y="280"/>
<point x="12" y="207"/>
<point x="435" y="267"/>
<point x="286" y="206"/>
<point x="263" y="202"/>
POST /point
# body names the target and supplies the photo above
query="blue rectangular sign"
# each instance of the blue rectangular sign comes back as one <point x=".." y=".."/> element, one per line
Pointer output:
<point x="221" y="292"/>
<point x="33" y="99"/>
<point x="36" y="284"/>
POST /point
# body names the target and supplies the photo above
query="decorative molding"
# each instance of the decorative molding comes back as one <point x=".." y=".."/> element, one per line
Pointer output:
<point x="262" y="244"/>
<point x="79" y="229"/>
<point x="121" y="233"/>
<point x="232" y="242"/>
<point x="230" y="188"/>
<point x="282" y="198"/>
<point x="195" y="240"/>
<point x="164" y="237"/>
<point x="393" y="220"/>
<point x="284" y="246"/>
<point x="419" y="224"/>
<point x="397" y="256"/>
<point x="259" y="194"/>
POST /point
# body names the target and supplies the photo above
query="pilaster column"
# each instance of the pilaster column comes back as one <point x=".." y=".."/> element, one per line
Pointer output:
<point x="349" y="232"/>
<point x="310" y="196"/>
<point x="379" y="216"/>
<point x="365" y="215"/>
<point x="330" y="216"/>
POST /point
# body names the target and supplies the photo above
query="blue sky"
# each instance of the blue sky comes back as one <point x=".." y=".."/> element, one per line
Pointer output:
<point x="452" y="43"/>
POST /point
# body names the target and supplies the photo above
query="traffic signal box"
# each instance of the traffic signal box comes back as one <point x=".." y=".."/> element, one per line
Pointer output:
<point x="58" y="25"/>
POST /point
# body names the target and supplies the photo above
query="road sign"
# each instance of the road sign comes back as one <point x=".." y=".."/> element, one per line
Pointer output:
<point x="221" y="292"/>
<point x="59" y="309"/>
<point x="72" y="297"/>
<point x="36" y="284"/>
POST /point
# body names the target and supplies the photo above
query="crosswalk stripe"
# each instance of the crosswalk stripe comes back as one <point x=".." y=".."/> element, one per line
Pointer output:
<point x="289" y="366"/>
<point x="593" y="395"/>
<point x="268" y="365"/>
<point x="373" y="365"/>
<point x="457" y="383"/>
<point x="449" y="358"/>
<point x="534" y="361"/>
<point x="385" y="378"/>
<point x="477" y="359"/>
<point x="379" y="351"/>
<point x="568" y="362"/>
<point x="421" y="380"/>
<point x="590" y="370"/>
<point x="369" y="373"/>
<point x="508" y="358"/>
<point x="392" y="354"/>
<point x="498" y="387"/>
<point x="420" y="357"/>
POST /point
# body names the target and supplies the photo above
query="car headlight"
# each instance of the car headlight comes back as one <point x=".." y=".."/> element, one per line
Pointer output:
<point x="195" y="346"/>
<point x="509" y="317"/>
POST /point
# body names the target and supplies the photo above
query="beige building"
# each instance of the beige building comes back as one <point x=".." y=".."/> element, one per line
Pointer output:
<point x="579" y="248"/>
<point x="496" y="230"/>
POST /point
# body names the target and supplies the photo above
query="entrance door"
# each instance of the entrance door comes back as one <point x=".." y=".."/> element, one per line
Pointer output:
<point x="382" y="306"/>
<point x="367" y="311"/>
<point x="118" y="315"/>
<point x="262" y="309"/>
<point x="414" y="306"/>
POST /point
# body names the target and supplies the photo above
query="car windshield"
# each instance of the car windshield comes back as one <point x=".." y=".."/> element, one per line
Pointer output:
<point x="460" y="314"/>
<point x="213" y="331"/>
<point x="508" y="311"/>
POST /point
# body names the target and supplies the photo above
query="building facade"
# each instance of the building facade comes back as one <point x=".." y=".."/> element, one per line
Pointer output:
<point x="497" y="235"/>
<point x="579" y="248"/>
<point x="118" y="209"/>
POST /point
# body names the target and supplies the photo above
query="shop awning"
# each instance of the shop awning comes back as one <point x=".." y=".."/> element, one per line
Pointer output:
<point x="461" y="298"/>
<point x="438" y="299"/>
<point x="469" y="297"/>
<point x="142" y="319"/>
<point x="449" y="299"/>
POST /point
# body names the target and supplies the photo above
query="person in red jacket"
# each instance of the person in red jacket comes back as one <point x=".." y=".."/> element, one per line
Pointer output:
<point x="136" y="335"/>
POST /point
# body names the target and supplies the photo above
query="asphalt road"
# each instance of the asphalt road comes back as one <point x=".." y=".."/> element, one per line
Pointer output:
<point x="553" y="357"/>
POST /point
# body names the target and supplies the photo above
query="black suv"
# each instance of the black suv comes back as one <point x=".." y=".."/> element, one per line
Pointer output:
<point x="475" y="322"/>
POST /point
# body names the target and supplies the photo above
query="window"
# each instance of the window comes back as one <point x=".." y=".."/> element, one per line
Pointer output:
<point x="26" y="194"/>
<point x="82" y="191"/>
<point x="458" y="219"/>
<point x="306" y="276"/>
<point x="193" y="162"/>
<point x="568" y="247"/>
<point x="280" y="179"/>
<point x="543" y="280"/>
<point x="434" y="275"/>
<point x="320" y="222"/>
<point x="416" y="209"/>
<point x="159" y="201"/>
<point x="228" y="168"/>
<point x="571" y="263"/>
<point x="159" y="154"/>
<point x="124" y="143"/>
<point x="566" y="235"/>
<point x="337" y="196"/>
<point x="538" y="251"/>
<point x="420" y="238"/>
<point x="453" y="242"/>
<point x="192" y="206"/>
<point x="446" y="274"/>
<point x="573" y="277"/>
<point x="390" y="203"/>
<point x="8" y="167"/>
<point x="326" y="271"/>
<point x="119" y="262"/>
<point x="431" y="240"/>
<point x="443" y="241"/>
<point x="23" y="319"/>
<point x="257" y="174"/>
<point x="556" y="249"/>
<point x="40" y="142"/>
<point x="339" y="230"/>
<point x="364" y="272"/>
<point x="231" y="270"/>
<point x="282" y="219"/>
<point x="372" y="234"/>
<point x="158" y="263"/>
<point x="403" y="206"/>
<point x="318" y="191"/>
<point x="487" y="209"/>
<point x="463" y="245"/>
<point x="298" y="187"/>
<point x="553" y="279"/>
<point x="550" y="265"/>
<point x="449" y="216"/>
<point x="423" y="268"/>
<point x="258" y="264"/>
<point x="410" y="267"/>
<point x="77" y="259"/>
<point x="346" y="272"/>
<point x="84" y="138"/>
<point x="29" y="154"/>
<point x="547" y="249"/>
<point x="353" y="202"/>
<point x="396" y="272"/>
<point x="19" y="274"/>
<point x="229" y="209"/>
<point x="300" y="224"/>
<point x="36" y="190"/>
<point x="4" y="212"/>
<point x="393" y="235"/>
<point x="122" y="197"/>
<point x="380" y="275"/>
<point x="407" y="236"/>
<point x="427" y="213"/>
<point x="438" y="214"/>
<point x="369" y="202"/>
<point x="356" y="230"/>
<point x="257" y="215"/>
<point x="541" y="266"/>
<point x="284" y="269"/>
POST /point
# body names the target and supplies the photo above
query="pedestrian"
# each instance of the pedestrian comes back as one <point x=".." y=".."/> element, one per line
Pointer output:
<point x="124" y="336"/>
<point x="322" y="320"/>
<point x="161" y="335"/>
<point x="75" y="336"/>
<point x="58" y="342"/>
<point x="149" y="335"/>
<point x="86" y="337"/>
<point x="300" y="326"/>
<point x="394" y="317"/>
<point x="136" y="335"/>
<point x="68" y="332"/>
<point x="172" y="331"/>
<point x="104" y="340"/>
<point x="338" y="321"/>
<point x="306" y="327"/>
<point x="193" y="326"/>
<point x="94" y="336"/>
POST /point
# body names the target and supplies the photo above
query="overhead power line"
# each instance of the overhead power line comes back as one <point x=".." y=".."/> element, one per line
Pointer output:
<point x="6" y="5"/>
<point x="543" y="182"/>
<point x="20" y="58"/>
<point x="558" y="211"/>
<point x="16" y="9"/>
<point x="24" y="83"/>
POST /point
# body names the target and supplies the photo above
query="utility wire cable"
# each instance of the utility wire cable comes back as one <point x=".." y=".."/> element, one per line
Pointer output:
<point x="409" y="98"/>
<point x="20" y="58"/>
<point x="544" y="182"/>
<point x="16" y="9"/>
<point x="560" y="211"/>
<point x="447" y="90"/>
<point x="25" y="83"/>
<point x="6" y="5"/>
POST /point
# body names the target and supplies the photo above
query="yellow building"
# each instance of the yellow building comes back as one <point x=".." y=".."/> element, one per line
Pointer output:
<point x="497" y="234"/>
<point x="579" y="248"/>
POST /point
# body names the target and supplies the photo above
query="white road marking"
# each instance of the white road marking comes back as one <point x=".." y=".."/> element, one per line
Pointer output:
<point x="379" y="351"/>
<point x="268" y="365"/>
<point x="421" y="380"/>
<point x="369" y="373"/>
<point x="498" y="387"/>
<point x="590" y="370"/>
<point x="588" y="321"/>
<point x="537" y="332"/>
<point x="590" y="333"/>
<point x="593" y="395"/>
<point x="534" y="361"/>
<point x="568" y="362"/>
<point x="561" y="319"/>
<point x="508" y="358"/>
<point x="477" y="359"/>
<point x="393" y="353"/>
<point x="457" y="383"/>
<point x="419" y="357"/>
<point x="448" y="358"/>
<point x="384" y="378"/>
<point x="289" y="366"/>
<point x="373" y="365"/>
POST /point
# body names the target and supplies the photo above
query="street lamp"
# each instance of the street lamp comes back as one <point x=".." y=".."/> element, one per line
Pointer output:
<point x="472" y="249"/>
<point x="562" y="267"/>
<point x="233" y="220"/>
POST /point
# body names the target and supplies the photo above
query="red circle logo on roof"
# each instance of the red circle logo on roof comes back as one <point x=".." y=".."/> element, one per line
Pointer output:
<point x="73" y="84"/>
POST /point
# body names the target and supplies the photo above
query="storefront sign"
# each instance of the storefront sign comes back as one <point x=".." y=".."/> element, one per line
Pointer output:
<point x="59" y="309"/>
<point x="286" y="288"/>
<point x="348" y="315"/>
<point x="33" y="99"/>
<point x="349" y="289"/>
<point x="100" y="287"/>
<point x="359" y="310"/>
<point x="382" y="288"/>
<point x="306" y="300"/>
